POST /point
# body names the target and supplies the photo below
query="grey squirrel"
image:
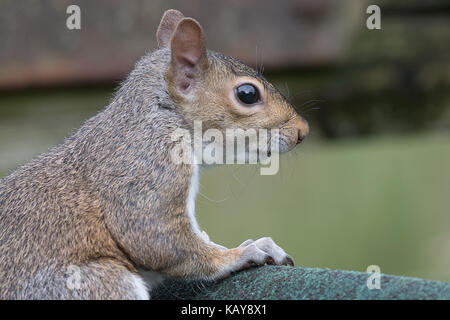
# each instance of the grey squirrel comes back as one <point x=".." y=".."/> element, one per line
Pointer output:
<point x="108" y="202"/>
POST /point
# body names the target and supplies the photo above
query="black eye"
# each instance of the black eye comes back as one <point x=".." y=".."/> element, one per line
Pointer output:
<point x="247" y="93"/>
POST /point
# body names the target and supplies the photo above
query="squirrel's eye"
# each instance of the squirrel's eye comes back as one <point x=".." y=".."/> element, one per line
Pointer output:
<point x="247" y="93"/>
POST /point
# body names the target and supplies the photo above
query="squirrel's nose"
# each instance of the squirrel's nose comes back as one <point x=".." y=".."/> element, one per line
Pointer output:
<point x="303" y="129"/>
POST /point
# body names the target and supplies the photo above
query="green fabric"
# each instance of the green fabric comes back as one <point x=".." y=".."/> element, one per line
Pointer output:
<point x="273" y="282"/>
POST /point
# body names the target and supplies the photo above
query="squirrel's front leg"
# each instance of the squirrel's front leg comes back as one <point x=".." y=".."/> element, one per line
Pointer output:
<point x="212" y="261"/>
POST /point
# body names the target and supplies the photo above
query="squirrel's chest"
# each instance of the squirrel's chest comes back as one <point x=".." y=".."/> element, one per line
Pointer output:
<point x="190" y="201"/>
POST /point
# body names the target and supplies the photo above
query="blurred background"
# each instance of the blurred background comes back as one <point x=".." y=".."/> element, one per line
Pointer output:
<point x="371" y="185"/>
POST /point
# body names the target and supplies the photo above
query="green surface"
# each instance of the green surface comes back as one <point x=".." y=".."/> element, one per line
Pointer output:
<point x="287" y="283"/>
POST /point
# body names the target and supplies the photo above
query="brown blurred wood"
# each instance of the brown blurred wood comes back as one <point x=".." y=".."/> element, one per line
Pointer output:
<point x="36" y="48"/>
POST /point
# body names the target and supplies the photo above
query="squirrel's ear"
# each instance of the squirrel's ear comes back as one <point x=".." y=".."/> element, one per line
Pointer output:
<point x="188" y="54"/>
<point x="167" y="26"/>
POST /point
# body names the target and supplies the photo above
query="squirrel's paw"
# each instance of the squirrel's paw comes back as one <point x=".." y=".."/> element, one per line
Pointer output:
<point x="258" y="253"/>
<point x="274" y="255"/>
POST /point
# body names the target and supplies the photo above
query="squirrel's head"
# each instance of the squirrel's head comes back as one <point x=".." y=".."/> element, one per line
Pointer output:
<point x="221" y="91"/>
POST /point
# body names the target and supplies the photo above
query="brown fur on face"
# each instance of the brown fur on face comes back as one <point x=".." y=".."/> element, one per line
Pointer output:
<point x="217" y="107"/>
<point x="203" y="84"/>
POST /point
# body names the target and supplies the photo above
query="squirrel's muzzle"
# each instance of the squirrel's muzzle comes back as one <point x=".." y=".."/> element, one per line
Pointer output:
<point x="302" y="127"/>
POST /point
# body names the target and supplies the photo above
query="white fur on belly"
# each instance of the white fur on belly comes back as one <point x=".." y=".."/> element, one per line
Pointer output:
<point x="190" y="207"/>
<point x="193" y="190"/>
<point x="139" y="287"/>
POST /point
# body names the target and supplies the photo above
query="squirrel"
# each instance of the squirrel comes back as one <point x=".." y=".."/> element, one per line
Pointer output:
<point x="88" y="218"/>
